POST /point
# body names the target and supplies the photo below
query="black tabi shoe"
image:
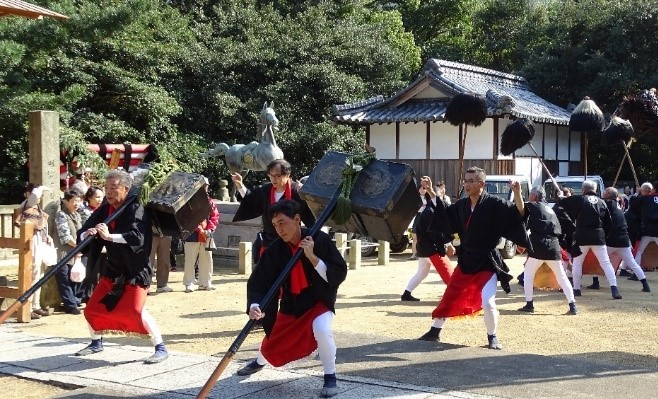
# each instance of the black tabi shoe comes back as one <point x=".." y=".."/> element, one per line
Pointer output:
<point x="624" y="273"/>
<point x="615" y="292"/>
<point x="432" y="335"/>
<point x="330" y="387"/>
<point x="577" y="293"/>
<point x="595" y="284"/>
<point x="633" y="278"/>
<point x="408" y="297"/>
<point x="95" y="346"/>
<point x="250" y="368"/>
<point x="572" y="309"/>
<point x="494" y="343"/>
<point x="529" y="307"/>
<point x="645" y="285"/>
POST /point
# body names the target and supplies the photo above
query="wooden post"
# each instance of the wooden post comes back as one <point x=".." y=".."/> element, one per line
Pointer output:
<point x="355" y="254"/>
<point x="341" y="243"/>
<point x="244" y="257"/>
<point x="383" y="253"/>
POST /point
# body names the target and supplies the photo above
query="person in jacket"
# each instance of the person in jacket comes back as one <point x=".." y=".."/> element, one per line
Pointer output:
<point x="593" y="222"/>
<point x="117" y="304"/>
<point x="68" y="222"/>
<point x="257" y="202"/>
<point x="195" y="250"/>
<point x="480" y="220"/>
<point x="544" y="247"/>
<point x="432" y="248"/>
<point x="303" y="320"/>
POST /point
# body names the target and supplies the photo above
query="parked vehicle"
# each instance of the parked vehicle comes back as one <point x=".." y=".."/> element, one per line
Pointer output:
<point x="575" y="183"/>
<point x="498" y="185"/>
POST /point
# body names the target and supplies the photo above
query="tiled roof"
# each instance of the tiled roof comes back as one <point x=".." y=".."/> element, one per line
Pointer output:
<point x="505" y="94"/>
<point x="25" y="9"/>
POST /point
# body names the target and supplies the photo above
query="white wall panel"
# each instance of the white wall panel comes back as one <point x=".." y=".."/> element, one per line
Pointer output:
<point x="575" y="146"/>
<point x="550" y="145"/>
<point x="563" y="143"/>
<point x="382" y="137"/>
<point x="413" y="139"/>
<point x="479" y="141"/>
<point x="444" y="141"/>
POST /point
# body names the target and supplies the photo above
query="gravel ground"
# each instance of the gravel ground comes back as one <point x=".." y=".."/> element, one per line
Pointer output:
<point x="207" y="322"/>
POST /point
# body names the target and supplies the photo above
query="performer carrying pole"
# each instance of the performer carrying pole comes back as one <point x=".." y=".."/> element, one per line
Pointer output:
<point x="117" y="303"/>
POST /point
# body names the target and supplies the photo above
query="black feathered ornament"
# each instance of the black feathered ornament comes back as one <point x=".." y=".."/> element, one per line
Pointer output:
<point x="587" y="117"/>
<point x="618" y="130"/>
<point x="466" y="108"/>
<point x="516" y="135"/>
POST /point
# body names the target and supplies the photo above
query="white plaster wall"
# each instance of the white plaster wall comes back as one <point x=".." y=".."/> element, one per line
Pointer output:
<point x="444" y="141"/>
<point x="479" y="141"/>
<point x="563" y="143"/>
<point x="550" y="138"/>
<point x="382" y="137"/>
<point x="413" y="140"/>
<point x="575" y="146"/>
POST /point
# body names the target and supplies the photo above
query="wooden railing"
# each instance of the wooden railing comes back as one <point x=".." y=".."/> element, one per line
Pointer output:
<point x="24" y="246"/>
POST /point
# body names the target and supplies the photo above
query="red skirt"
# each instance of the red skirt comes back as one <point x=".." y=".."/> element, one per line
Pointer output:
<point x="125" y="318"/>
<point x="443" y="266"/>
<point x="463" y="296"/>
<point x="292" y="338"/>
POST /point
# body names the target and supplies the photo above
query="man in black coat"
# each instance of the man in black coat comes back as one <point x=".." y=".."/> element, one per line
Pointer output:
<point x="545" y="247"/>
<point x="480" y="220"/>
<point x="646" y="208"/>
<point x="593" y="222"/>
<point x="117" y="303"/>
<point x="302" y="323"/>
<point x="257" y="202"/>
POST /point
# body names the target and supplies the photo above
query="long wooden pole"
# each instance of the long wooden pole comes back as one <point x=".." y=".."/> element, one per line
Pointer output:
<point x="69" y="255"/>
<point x="274" y="291"/>
<point x="544" y="165"/>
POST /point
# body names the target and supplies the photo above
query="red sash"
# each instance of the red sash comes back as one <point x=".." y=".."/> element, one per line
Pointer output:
<point x="297" y="276"/>
<point x="443" y="266"/>
<point x="292" y="338"/>
<point x="287" y="194"/>
<point x="126" y="317"/>
<point x="463" y="296"/>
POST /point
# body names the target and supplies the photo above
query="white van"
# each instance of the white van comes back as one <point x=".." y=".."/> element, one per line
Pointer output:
<point x="575" y="183"/>
<point x="498" y="185"/>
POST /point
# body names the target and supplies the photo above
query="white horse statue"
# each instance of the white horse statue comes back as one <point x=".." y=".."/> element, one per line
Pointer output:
<point x="241" y="158"/>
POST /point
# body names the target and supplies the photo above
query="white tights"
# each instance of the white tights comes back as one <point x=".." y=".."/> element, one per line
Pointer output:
<point x="488" y="306"/>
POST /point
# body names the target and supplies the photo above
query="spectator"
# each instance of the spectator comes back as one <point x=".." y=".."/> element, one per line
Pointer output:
<point x="68" y="223"/>
<point x="31" y="212"/>
<point x="195" y="248"/>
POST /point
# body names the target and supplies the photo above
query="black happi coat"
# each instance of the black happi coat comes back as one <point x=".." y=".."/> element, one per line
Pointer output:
<point x="429" y="242"/>
<point x="618" y="234"/>
<point x="272" y="263"/>
<point x="646" y="208"/>
<point x="591" y="216"/>
<point x="492" y="219"/>
<point x="568" y="228"/>
<point x="129" y="260"/>
<point x="544" y="231"/>
<point x="256" y="203"/>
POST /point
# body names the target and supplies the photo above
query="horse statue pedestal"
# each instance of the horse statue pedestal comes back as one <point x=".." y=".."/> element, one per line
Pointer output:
<point x="229" y="234"/>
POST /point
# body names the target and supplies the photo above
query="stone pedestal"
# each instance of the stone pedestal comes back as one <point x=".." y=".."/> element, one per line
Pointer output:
<point x="229" y="234"/>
